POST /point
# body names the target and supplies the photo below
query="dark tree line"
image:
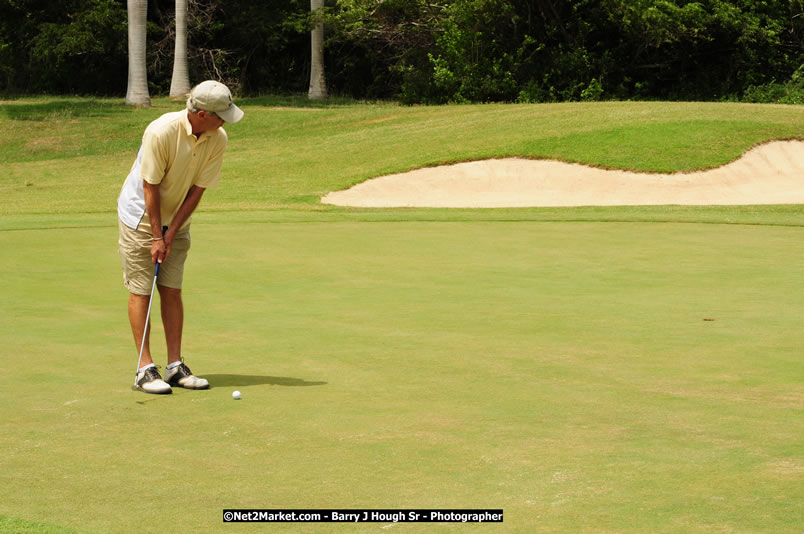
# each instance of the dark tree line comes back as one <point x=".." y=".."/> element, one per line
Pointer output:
<point x="424" y="51"/>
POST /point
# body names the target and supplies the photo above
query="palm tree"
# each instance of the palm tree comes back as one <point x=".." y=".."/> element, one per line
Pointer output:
<point x="318" y="84"/>
<point x="180" y="83"/>
<point x="137" y="93"/>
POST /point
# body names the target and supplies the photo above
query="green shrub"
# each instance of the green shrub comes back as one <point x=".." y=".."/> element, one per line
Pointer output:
<point x="789" y="92"/>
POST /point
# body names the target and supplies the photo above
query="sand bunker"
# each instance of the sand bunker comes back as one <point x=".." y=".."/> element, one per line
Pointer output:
<point x="768" y="174"/>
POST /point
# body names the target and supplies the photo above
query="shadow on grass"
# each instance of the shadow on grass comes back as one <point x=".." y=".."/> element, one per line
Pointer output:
<point x="254" y="380"/>
<point x="221" y="381"/>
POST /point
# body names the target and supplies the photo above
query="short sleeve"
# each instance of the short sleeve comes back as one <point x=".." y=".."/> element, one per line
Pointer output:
<point x="154" y="158"/>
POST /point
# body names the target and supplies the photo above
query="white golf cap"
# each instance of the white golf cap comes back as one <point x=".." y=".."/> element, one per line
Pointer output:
<point x="215" y="97"/>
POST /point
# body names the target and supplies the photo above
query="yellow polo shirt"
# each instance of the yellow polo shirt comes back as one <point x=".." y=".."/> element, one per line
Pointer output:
<point x="171" y="156"/>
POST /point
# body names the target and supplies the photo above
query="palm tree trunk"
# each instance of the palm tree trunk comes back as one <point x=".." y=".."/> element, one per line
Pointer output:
<point x="180" y="83"/>
<point x="137" y="93"/>
<point x="318" y="84"/>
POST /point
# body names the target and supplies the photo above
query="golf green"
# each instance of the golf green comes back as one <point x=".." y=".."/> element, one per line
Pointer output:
<point x="582" y="376"/>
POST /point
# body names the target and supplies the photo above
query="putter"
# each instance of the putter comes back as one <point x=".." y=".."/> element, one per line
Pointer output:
<point x="135" y="387"/>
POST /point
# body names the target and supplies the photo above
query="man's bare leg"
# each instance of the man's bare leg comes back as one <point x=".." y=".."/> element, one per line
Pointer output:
<point x="172" y="320"/>
<point x="137" y="312"/>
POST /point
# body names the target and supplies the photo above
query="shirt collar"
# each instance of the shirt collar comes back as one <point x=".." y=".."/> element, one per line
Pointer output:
<point x="186" y="122"/>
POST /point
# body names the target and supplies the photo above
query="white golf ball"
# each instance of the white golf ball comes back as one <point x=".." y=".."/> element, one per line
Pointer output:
<point x="236" y="395"/>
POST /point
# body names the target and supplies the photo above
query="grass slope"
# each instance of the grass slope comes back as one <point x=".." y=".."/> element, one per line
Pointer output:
<point x="70" y="157"/>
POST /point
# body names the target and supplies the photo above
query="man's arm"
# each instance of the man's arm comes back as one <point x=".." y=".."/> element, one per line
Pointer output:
<point x="160" y="248"/>
<point x="152" y="206"/>
<point x="185" y="210"/>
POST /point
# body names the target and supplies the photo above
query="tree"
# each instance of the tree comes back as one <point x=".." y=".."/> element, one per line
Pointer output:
<point x="180" y="83"/>
<point x="137" y="93"/>
<point x="418" y="51"/>
<point x="318" y="84"/>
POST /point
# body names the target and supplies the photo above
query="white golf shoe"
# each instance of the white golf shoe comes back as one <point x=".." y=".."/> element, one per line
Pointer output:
<point x="181" y="376"/>
<point x="149" y="381"/>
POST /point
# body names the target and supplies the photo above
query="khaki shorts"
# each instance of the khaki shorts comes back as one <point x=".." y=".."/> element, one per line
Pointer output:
<point x="138" y="267"/>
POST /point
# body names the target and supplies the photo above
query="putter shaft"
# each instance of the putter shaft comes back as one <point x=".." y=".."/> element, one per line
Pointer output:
<point x="147" y="321"/>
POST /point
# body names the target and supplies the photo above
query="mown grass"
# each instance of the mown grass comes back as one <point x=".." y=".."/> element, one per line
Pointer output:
<point x="585" y="369"/>
<point x="16" y="526"/>
<point x="69" y="157"/>
<point x="617" y="377"/>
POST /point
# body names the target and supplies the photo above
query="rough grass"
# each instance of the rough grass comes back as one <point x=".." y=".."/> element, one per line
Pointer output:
<point x="70" y="156"/>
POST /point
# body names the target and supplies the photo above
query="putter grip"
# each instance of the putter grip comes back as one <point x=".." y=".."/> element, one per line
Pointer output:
<point x="156" y="269"/>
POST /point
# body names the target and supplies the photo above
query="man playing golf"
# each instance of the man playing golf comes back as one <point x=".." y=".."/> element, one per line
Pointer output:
<point x="180" y="157"/>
